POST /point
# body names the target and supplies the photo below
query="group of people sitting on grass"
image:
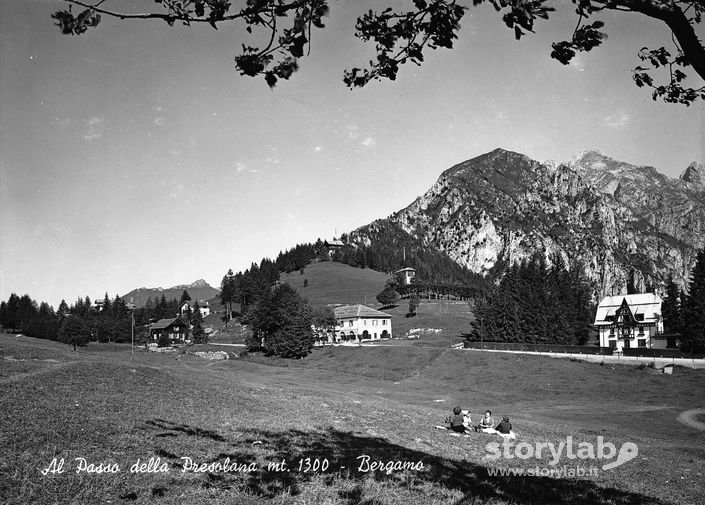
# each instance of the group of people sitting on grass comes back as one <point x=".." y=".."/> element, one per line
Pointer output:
<point x="460" y="422"/>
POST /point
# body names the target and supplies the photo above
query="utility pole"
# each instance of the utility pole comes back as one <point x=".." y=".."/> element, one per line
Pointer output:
<point x="132" y="317"/>
<point x="482" y="333"/>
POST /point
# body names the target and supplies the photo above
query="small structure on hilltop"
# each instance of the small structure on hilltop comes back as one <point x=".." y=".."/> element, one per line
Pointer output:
<point x="627" y="321"/>
<point x="174" y="328"/>
<point x="406" y="275"/>
<point x="359" y="322"/>
<point x="333" y="246"/>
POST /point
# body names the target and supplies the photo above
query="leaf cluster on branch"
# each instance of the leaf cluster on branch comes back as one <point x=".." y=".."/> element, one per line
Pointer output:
<point x="283" y="29"/>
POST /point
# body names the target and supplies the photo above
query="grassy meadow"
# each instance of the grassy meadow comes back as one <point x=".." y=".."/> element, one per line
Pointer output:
<point x="331" y="409"/>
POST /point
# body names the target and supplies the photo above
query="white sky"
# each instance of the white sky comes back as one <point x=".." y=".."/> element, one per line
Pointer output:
<point x="135" y="155"/>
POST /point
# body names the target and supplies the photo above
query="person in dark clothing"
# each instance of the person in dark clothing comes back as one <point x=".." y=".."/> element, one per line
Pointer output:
<point x="457" y="421"/>
<point x="505" y="428"/>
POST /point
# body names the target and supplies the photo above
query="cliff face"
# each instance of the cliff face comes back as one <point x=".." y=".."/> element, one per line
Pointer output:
<point x="623" y="223"/>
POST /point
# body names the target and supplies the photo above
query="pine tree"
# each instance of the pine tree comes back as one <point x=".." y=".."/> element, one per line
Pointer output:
<point x="107" y="306"/>
<point x="413" y="304"/>
<point x="694" y="308"/>
<point x="199" y="334"/>
<point x="282" y="320"/>
<point x="63" y="308"/>
<point x="185" y="297"/>
<point x="671" y="310"/>
<point x="74" y="331"/>
<point x="388" y="296"/>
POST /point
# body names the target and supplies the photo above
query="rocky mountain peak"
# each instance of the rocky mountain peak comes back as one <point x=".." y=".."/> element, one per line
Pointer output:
<point x="694" y="174"/>
<point x="624" y="224"/>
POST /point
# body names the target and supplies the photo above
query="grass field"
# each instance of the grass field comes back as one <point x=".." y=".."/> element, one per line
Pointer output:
<point x="335" y="406"/>
<point x="332" y="282"/>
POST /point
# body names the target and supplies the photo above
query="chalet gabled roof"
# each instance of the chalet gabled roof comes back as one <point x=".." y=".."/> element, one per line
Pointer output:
<point x="646" y="304"/>
<point x="165" y="323"/>
<point x="358" y="310"/>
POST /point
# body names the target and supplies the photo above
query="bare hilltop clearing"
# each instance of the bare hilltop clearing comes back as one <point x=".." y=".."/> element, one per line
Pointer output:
<point x="174" y="428"/>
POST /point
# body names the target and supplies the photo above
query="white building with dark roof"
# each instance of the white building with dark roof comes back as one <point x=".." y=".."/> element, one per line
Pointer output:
<point x="359" y="322"/>
<point x="626" y="321"/>
<point x="406" y="275"/>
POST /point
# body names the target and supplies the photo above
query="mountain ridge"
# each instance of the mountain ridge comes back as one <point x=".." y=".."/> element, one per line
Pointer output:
<point x="198" y="290"/>
<point x="628" y="226"/>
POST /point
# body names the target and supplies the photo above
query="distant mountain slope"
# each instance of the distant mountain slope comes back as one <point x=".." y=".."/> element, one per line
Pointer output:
<point x="623" y="223"/>
<point x="199" y="290"/>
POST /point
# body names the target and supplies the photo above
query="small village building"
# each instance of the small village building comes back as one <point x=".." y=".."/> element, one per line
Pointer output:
<point x="359" y="322"/>
<point x="203" y="308"/>
<point x="175" y="328"/>
<point x="406" y="275"/>
<point x="628" y="321"/>
<point x="332" y="246"/>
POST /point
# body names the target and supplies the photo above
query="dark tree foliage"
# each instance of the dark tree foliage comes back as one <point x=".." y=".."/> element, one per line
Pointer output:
<point x="281" y="323"/>
<point x="693" y="331"/>
<point x="8" y="312"/>
<point x="298" y="257"/>
<point x="164" y="340"/>
<point x="323" y="319"/>
<point x="112" y="322"/>
<point x="24" y="315"/>
<point x="413" y="305"/>
<point x="671" y="308"/>
<point x="388" y="297"/>
<point x="404" y="35"/>
<point x="535" y="303"/>
<point x="74" y="331"/>
<point x="228" y="294"/>
<point x="63" y="308"/>
<point x="199" y="334"/>
<point x="185" y="297"/>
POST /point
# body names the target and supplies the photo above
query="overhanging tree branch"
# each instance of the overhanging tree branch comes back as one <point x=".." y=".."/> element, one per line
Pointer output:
<point x="403" y="36"/>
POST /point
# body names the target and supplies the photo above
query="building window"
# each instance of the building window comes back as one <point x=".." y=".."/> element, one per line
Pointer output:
<point x="384" y="322"/>
<point x="642" y="342"/>
<point x="641" y="330"/>
<point x="350" y="323"/>
<point x="613" y="344"/>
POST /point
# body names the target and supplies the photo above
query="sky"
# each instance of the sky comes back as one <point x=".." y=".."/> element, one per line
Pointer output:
<point x="136" y="156"/>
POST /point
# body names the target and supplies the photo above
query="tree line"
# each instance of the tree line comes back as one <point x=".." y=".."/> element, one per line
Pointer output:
<point x="83" y="321"/>
<point x="684" y="313"/>
<point x="78" y="323"/>
<point x="535" y="303"/>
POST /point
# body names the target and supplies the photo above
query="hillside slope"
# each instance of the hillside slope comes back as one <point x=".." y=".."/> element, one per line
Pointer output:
<point x="336" y="283"/>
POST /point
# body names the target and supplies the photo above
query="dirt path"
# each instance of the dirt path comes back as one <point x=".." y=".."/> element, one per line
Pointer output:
<point x="689" y="418"/>
<point x="41" y="371"/>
